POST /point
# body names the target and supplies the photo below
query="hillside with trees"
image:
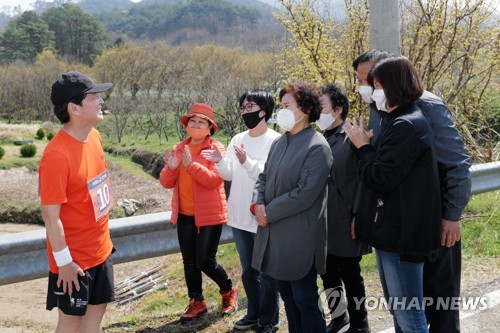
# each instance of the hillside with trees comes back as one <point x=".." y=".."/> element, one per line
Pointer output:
<point x="236" y="23"/>
<point x="196" y="22"/>
<point x="66" y="29"/>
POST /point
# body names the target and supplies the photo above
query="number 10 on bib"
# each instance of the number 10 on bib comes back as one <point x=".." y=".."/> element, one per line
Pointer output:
<point x="100" y="192"/>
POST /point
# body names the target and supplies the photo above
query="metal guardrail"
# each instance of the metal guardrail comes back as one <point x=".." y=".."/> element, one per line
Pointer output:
<point x="485" y="177"/>
<point x="23" y="256"/>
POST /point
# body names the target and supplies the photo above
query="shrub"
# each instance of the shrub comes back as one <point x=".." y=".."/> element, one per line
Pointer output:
<point x="2" y="152"/>
<point x="40" y="134"/>
<point x="50" y="136"/>
<point x="28" y="150"/>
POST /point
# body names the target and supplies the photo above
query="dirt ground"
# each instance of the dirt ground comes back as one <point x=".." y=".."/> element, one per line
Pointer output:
<point x="23" y="304"/>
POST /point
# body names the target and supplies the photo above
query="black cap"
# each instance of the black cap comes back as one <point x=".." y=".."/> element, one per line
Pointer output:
<point x="73" y="84"/>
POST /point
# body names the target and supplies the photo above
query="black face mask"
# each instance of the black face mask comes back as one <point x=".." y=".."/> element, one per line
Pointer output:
<point x="252" y="119"/>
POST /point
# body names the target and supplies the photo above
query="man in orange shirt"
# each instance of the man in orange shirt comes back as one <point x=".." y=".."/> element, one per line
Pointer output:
<point x="76" y="197"/>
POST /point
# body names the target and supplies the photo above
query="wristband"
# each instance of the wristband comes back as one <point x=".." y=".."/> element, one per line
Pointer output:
<point x="62" y="257"/>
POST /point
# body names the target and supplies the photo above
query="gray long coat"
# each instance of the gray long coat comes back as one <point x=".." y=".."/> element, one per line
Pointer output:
<point x="293" y="188"/>
<point x="342" y="188"/>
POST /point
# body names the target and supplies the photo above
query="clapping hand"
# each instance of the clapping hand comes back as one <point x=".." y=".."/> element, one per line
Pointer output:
<point x="170" y="159"/>
<point x="357" y="133"/>
<point x="214" y="156"/>
<point x="186" y="157"/>
<point x="241" y="154"/>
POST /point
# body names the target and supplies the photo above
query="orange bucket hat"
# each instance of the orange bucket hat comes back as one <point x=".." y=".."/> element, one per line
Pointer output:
<point x="203" y="111"/>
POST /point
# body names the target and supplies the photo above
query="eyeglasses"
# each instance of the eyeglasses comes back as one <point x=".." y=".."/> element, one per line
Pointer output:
<point x="247" y="107"/>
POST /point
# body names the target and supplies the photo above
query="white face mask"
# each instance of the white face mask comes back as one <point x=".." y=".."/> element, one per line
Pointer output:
<point x="286" y="119"/>
<point x="325" y="120"/>
<point x="379" y="97"/>
<point x="366" y="93"/>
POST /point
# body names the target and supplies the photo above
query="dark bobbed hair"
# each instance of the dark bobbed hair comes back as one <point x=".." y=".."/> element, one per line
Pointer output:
<point x="374" y="55"/>
<point x="307" y="98"/>
<point x="61" y="110"/>
<point x="399" y="79"/>
<point x="262" y="98"/>
<point x="337" y="98"/>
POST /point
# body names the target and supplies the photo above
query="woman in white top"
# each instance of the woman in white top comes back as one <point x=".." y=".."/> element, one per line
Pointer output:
<point x="244" y="161"/>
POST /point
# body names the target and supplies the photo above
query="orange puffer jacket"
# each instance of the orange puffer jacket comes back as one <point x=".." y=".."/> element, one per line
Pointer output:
<point x="210" y="206"/>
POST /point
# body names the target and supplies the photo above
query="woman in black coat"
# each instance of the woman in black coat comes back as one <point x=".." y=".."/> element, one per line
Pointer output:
<point x="344" y="252"/>
<point x="399" y="211"/>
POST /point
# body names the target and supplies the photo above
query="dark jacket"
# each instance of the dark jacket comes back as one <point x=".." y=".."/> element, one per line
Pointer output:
<point x="452" y="157"/>
<point x="342" y="188"/>
<point x="400" y="206"/>
<point x="293" y="188"/>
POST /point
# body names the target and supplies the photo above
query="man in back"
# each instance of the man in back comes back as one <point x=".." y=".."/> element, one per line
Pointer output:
<point x="442" y="277"/>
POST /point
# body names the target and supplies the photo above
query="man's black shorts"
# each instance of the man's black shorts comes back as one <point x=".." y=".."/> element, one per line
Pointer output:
<point x="96" y="287"/>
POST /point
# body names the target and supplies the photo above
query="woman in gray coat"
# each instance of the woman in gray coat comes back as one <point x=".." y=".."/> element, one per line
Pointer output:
<point x="290" y="207"/>
<point x="344" y="252"/>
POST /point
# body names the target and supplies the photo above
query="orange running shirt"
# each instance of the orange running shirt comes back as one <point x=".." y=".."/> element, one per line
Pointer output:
<point x="186" y="189"/>
<point x="65" y="168"/>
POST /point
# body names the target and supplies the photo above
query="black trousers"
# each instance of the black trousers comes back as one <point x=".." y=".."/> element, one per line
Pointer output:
<point x="442" y="279"/>
<point x="198" y="255"/>
<point x="347" y="270"/>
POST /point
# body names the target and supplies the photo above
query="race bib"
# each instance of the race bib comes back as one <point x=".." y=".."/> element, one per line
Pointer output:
<point x="100" y="193"/>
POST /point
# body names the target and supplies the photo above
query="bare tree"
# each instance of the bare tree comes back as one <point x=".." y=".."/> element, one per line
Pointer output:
<point x="121" y="110"/>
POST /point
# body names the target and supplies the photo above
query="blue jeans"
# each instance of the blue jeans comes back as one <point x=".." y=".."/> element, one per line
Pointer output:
<point x="261" y="290"/>
<point x="301" y="304"/>
<point x="402" y="282"/>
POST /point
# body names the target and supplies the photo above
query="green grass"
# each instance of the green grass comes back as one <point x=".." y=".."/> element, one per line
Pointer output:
<point x="368" y="263"/>
<point x="125" y="163"/>
<point x="480" y="227"/>
<point x="152" y="143"/>
<point x="129" y="141"/>
<point x="13" y="158"/>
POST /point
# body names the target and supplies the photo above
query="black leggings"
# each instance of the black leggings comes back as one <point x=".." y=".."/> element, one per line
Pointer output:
<point x="198" y="254"/>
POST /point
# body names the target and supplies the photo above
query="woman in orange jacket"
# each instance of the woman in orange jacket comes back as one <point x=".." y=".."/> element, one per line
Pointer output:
<point x="199" y="209"/>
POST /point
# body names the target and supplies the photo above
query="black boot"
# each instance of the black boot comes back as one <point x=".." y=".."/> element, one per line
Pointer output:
<point x="338" y="323"/>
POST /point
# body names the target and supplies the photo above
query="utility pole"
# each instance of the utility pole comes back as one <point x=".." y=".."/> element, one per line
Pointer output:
<point x="385" y="27"/>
